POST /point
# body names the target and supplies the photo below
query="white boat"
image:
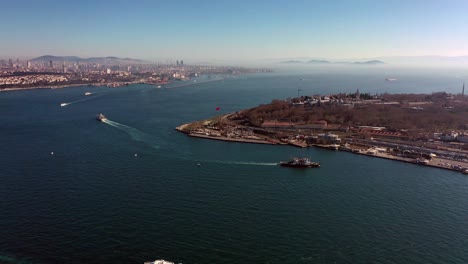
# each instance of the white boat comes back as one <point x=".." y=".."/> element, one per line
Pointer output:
<point x="101" y="117"/>
<point x="159" y="261"/>
<point x="159" y="86"/>
<point x="390" y="79"/>
<point x="63" y="104"/>
<point x="87" y="93"/>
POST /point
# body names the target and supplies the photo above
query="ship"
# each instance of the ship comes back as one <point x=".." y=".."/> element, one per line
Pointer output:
<point x="101" y="117"/>
<point x="87" y="93"/>
<point x="300" y="163"/>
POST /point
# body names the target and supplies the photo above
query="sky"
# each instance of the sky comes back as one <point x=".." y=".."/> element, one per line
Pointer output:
<point x="221" y="30"/>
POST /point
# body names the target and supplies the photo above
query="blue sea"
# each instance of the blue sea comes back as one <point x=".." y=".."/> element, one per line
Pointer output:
<point x="75" y="190"/>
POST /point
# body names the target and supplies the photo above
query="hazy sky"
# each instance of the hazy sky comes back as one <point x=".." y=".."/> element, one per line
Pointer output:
<point x="234" y="30"/>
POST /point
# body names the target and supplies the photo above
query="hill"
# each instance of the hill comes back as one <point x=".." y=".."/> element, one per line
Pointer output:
<point x="371" y="62"/>
<point x="318" y="61"/>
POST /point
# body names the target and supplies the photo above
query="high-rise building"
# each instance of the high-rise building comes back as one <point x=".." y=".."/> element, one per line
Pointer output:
<point x="10" y="63"/>
<point x="463" y="90"/>
<point x="28" y="64"/>
<point x="181" y="62"/>
<point x="51" y="64"/>
<point x="64" y="69"/>
<point x="177" y="63"/>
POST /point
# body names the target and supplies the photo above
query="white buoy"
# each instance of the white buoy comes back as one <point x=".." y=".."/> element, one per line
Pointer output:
<point x="52" y="153"/>
<point x="136" y="155"/>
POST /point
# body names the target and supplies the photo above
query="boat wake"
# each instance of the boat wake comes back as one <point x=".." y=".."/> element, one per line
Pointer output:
<point x="240" y="163"/>
<point x="253" y="163"/>
<point x="79" y="101"/>
<point x="141" y="136"/>
<point x="134" y="133"/>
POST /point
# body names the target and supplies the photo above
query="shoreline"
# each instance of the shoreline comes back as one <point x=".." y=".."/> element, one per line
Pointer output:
<point x="51" y="87"/>
<point x="439" y="163"/>
<point x="98" y="85"/>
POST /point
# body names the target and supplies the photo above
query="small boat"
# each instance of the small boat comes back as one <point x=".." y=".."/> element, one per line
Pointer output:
<point x="159" y="261"/>
<point x="390" y="79"/>
<point x="159" y="86"/>
<point x="101" y="117"/>
<point x="300" y="163"/>
<point x="87" y="93"/>
<point x="63" y="104"/>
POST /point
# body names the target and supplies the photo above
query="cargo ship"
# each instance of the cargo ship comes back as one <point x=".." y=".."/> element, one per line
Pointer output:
<point x="300" y="163"/>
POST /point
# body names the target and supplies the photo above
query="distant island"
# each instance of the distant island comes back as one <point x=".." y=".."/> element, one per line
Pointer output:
<point x="318" y="61"/>
<point x="427" y="129"/>
<point x="370" y="62"/>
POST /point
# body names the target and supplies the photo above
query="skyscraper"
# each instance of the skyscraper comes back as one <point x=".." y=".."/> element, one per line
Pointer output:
<point x="177" y="63"/>
<point x="51" y="64"/>
<point x="28" y="64"/>
<point x="10" y="63"/>
<point x="181" y="62"/>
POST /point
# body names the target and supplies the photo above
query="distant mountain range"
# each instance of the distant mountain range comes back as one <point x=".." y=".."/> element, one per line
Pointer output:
<point x="100" y="60"/>
<point x="392" y="60"/>
<point x="370" y="62"/>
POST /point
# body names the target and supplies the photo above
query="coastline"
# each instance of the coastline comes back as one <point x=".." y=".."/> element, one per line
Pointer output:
<point x="435" y="162"/>
<point x="54" y="86"/>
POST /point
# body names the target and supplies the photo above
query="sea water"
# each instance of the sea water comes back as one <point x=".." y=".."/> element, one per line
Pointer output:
<point x="191" y="200"/>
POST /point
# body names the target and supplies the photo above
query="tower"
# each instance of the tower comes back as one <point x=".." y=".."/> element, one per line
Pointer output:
<point x="28" y="64"/>
<point x="181" y="62"/>
<point x="51" y="64"/>
<point x="463" y="90"/>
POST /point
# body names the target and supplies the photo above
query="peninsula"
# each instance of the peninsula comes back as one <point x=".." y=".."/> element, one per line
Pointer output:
<point x="426" y="129"/>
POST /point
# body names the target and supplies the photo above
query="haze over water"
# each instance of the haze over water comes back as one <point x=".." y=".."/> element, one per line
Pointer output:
<point x="94" y="201"/>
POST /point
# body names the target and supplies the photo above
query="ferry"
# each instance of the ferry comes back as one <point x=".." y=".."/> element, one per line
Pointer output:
<point x="300" y="163"/>
<point x="101" y="117"/>
<point x="159" y="261"/>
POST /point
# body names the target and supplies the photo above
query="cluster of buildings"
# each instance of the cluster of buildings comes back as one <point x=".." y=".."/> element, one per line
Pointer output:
<point x="33" y="79"/>
<point x="109" y="70"/>
<point x="459" y="136"/>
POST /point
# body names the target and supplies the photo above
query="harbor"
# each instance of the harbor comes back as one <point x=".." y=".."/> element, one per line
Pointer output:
<point x="392" y="151"/>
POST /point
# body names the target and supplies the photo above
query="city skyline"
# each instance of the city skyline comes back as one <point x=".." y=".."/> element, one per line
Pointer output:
<point x="240" y="31"/>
